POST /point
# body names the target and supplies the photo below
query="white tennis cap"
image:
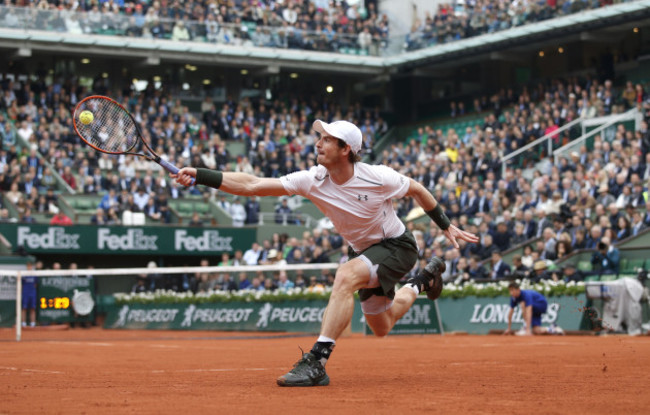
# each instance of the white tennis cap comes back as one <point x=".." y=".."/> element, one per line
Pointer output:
<point x="343" y="130"/>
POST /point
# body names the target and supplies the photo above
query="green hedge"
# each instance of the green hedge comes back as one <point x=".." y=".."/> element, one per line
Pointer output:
<point x="496" y="289"/>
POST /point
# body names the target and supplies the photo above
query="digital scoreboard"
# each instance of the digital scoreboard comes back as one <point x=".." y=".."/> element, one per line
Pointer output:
<point x="65" y="299"/>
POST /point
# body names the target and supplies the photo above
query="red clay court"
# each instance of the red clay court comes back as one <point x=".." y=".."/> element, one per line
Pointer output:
<point x="95" y="371"/>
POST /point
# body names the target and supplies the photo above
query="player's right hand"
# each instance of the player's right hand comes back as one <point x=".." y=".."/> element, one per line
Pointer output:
<point x="185" y="176"/>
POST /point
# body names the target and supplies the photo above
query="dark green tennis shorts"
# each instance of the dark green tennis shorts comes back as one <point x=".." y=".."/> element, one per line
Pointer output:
<point x="395" y="257"/>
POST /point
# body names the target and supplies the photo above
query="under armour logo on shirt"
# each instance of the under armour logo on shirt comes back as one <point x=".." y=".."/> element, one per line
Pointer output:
<point x="362" y="197"/>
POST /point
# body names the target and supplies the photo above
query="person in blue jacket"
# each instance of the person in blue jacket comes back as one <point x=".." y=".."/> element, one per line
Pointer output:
<point x="533" y="305"/>
<point x="29" y="297"/>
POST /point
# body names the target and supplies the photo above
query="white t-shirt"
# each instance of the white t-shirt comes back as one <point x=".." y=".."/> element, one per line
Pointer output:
<point x="361" y="209"/>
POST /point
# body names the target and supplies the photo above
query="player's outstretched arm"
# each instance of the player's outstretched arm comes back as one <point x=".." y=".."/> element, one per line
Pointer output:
<point x="427" y="202"/>
<point x="241" y="184"/>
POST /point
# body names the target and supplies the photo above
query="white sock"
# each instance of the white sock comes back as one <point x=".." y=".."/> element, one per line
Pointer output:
<point x="414" y="287"/>
<point x="325" y="339"/>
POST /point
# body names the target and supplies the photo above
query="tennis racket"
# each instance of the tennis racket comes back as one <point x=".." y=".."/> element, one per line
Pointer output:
<point x="111" y="129"/>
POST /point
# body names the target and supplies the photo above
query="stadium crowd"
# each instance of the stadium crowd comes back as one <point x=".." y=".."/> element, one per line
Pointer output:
<point x="296" y="24"/>
<point x="463" y="19"/>
<point x="39" y="145"/>
<point x="594" y="197"/>
<point x="594" y="194"/>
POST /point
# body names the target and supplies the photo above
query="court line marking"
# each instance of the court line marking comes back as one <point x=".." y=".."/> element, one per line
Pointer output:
<point x="80" y="343"/>
<point x="243" y="369"/>
<point x="15" y="369"/>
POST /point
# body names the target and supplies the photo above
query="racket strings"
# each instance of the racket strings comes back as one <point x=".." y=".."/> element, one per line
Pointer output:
<point x="112" y="129"/>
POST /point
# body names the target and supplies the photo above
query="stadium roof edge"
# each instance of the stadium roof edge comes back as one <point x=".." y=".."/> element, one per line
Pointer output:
<point x="339" y="62"/>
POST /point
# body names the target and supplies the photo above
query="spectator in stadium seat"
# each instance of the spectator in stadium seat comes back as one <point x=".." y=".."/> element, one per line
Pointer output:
<point x="252" y="211"/>
<point x="225" y="260"/>
<point x="180" y="32"/>
<point x="196" y="220"/>
<point x="569" y="273"/>
<point x="284" y="283"/>
<point x="151" y="210"/>
<point x="237" y="212"/>
<point x="604" y="197"/>
<point x="69" y="178"/>
<point x="252" y="255"/>
<point x="500" y="269"/>
<point x="112" y="217"/>
<point x="227" y="283"/>
<point x="109" y="200"/>
<point x="502" y="236"/>
<point x="60" y="219"/>
<point x="223" y="203"/>
<point x="14" y="195"/>
<point x="99" y="218"/>
<point x="244" y="282"/>
<point x="283" y="213"/>
<point x="141" y="198"/>
<point x="26" y="216"/>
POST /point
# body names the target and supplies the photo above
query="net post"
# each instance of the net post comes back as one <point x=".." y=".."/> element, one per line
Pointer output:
<point x="19" y="302"/>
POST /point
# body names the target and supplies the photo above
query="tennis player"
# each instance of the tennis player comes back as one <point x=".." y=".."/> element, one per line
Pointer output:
<point x="357" y="198"/>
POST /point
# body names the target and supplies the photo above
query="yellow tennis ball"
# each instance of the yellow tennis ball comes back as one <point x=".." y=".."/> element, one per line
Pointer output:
<point x="86" y="117"/>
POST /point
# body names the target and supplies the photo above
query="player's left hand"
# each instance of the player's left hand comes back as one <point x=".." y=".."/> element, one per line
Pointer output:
<point x="452" y="233"/>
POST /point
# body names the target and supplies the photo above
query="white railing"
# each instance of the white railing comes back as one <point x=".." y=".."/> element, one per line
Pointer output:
<point x="604" y="122"/>
<point x="583" y="124"/>
<point x="543" y="140"/>
<point x="285" y="219"/>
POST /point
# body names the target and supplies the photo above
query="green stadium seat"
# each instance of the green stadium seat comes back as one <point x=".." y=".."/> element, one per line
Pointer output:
<point x="632" y="265"/>
<point x="608" y="277"/>
<point x="201" y="208"/>
<point x="84" y="205"/>
<point x="585" y="266"/>
<point x="185" y="208"/>
<point x="251" y="26"/>
<point x="591" y="278"/>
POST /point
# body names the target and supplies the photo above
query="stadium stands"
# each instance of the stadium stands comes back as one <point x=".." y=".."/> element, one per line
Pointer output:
<point x="464" y="19"/>
<point x="294" y="25"/>
<point x="458" y="157"/>
<point x="357" y="29"/>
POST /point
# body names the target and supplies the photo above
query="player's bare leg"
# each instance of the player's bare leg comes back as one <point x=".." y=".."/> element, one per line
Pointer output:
<point x="429" y="280"/>
<point x="381" y="324"/>
<point x="310" y="369"/>
<point x="350" y="277"/>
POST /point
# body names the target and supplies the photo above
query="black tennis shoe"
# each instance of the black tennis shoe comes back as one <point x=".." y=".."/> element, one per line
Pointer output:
<point x="430" y="279"/>
<point x="308" y="371"/>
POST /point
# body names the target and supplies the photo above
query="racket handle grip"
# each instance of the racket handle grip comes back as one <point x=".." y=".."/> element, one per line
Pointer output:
<point x="171" y="168"/>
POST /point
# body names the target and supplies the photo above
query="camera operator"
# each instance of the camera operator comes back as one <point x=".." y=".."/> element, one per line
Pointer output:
<point x="607" y="257"/>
